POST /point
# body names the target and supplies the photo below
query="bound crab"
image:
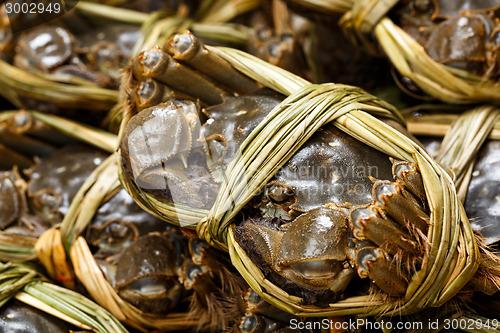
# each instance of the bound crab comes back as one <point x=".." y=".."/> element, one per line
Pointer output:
<point x="331" y="169"/>
<point x="333" y="208"/>
<point x="324" y="217"/>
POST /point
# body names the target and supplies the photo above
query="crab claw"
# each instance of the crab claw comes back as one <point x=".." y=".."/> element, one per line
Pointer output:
<point x="157" y="64"/>
<point x="312" y="251"/>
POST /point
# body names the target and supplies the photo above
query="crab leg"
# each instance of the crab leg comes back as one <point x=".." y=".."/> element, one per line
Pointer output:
<point x="374" y="263"/>
<point x="156" y="64"/>
<point x="370" y="223"/>
<point x="399" y="204"/>
<point x="188" y="49"/>
<point x="408" y="175"/>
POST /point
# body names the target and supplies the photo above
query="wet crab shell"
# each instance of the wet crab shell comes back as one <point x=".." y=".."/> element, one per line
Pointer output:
<point x="54" y="180"/>
<point x="16" y="219"/>
<point x="157" y="149"/>
<point x="45" y="48"/>
<point x="17" y="317"/>
<point x="459" y="34"/>
<point x="483" y="197"/>
<point x="461" y="42"/>
<point x="11" y="204"/>
<point x="319" y="260"/>
<point x="146" y="274"/>
<point x="482" y="202"/>
<point x="333" y="168"/>
<point x="230" y="123"/>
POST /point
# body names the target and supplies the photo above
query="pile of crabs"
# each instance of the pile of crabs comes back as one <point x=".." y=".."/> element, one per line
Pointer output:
<point x="336" y="220"/>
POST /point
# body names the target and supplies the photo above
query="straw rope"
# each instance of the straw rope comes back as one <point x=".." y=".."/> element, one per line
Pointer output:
<point x="462" y="142"/>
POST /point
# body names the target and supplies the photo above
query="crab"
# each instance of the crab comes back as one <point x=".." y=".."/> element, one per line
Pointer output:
<point x="482" y="201"/>
<point x="189" y="170"/>
<point x="160" y="272"/>
<point x="332" y="212"/>
<point x="364" y="228"/>
<point x="145" y="273"/>
<point x="14" y="211"/>
<point x="324" y="217"/>
<point x="31" y="207"/>
<point x="460" y="34"/>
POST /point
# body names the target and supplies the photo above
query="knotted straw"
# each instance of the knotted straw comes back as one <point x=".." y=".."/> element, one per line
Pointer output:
<point x="24" y="282"/>
<point x="365" y="22"/>
<point x="452" y="257"/>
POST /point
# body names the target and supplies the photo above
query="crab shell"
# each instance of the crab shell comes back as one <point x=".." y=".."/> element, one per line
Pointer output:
<point x="158" y="151"/>
<point x="146" y="274"/>
<point x="11" y="204"/>
<point x="16" y="316"/>
<point x="482" y="203"/>
<point x="319" y="261"/>
<point x="318" y="251"/>
<point x="332" y="168"/>
<point x="461" y="42"/>
<point x="54" y="180"/>
<point x="45" y="48"/>
<point x="230" y="123"/>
